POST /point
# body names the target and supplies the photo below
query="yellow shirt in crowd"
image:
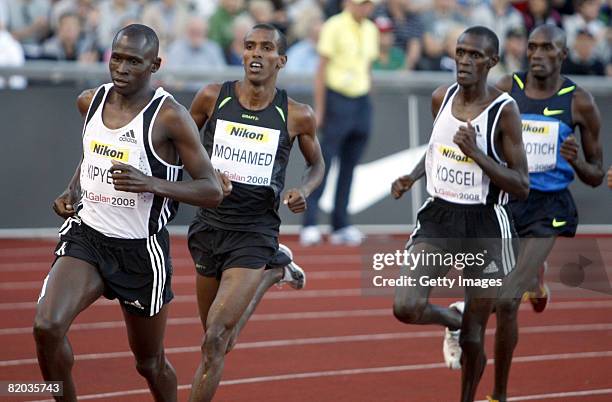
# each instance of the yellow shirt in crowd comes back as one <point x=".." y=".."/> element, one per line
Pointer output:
<point x="351" y="47"/>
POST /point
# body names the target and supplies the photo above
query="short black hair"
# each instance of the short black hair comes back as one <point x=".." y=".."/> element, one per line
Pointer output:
<point x="143" y="31"/>
<point x="555" y="34"/>
<point x="485" y="32"/>
<point x="281" y="42"/>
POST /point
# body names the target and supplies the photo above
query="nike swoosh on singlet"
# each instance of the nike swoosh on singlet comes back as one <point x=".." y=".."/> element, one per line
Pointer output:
<point x="558" y="224"/>
<point x="553" y="112"/>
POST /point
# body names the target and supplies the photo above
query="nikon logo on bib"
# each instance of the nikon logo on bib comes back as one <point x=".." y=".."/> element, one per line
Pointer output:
<point x="453" y="154"/>
<point x="540" y="138"/>
<point x="109" y="151"/>
<point x="456" y="177"/>
<point x="245" y="153"/>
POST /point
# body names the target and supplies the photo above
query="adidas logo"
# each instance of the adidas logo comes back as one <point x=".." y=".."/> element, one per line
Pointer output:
<point x="491" y="268"/>
<point x="135" y="304"/>
<point x="128" y="137"/>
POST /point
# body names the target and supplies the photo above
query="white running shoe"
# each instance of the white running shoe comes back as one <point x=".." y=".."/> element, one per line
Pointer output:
<point x="451" y="347"/>
<point x="310" y="236"/>
<point x="349" y="236"/>
<point x="293" y="274"/>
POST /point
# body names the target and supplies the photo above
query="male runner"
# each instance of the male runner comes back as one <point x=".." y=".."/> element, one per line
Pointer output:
<point x="249" y="130"/>
<point x="114" y="243"/>
<point x="551" y="106"/>
<point x="475" y="158"/>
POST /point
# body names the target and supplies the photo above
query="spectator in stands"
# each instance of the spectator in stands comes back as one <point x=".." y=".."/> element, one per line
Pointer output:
<point x="205" y="8"/>
<point x="583" y="59"/>
<point x="438" y="22"/>
<point x="539" y="12"/>
<point x="499" y="16"/>
<point x="262" y="11"/>
<point x="512" y="57"/>
<point x="302" y="56"/>
<point x="587" y="17"/>
<point x="280" y="18"/>
<point x="67" y="43"/>
<point x="28" y="22"/>
<point x="194" y="49"/>
<point x="11" y="53"/>
<point x="168" y="19"/>
<point x="220" y="24"/>
<point x="240" y="27"/>
<point x="348" y="44"/>
<point x="408" y="29"/>
<point x="446" y="61"/>
<point x="390" y="56"/>
<point x="113" y="13"/>
<point x="297" y="8"/>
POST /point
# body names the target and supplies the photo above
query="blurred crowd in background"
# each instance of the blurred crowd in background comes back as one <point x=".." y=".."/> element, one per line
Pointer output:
<point x="414" y="34"/>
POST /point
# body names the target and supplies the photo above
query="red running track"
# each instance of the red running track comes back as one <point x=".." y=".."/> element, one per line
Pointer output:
<point x="326" y="343"/>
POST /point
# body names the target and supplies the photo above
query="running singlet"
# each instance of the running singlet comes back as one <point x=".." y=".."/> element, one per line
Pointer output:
<point x="546" y="124"/>
<point x="451" y="175"/>
<point x="252" y="148"/>
<point x="117" y="213"/>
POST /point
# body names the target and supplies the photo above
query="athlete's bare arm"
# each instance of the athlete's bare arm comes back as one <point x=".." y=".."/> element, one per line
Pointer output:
<point x="405" y="183"/>
<point x="302" y="124"/>
<point x="586" y="115"/>
<point x="203" y="104"/>
<point x="64" y="203"/>
<point x="514" y="177"/>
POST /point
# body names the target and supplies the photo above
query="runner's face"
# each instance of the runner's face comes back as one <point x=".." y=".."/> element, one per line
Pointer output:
<point x="131" y="64"/>
<point x="544" y="55"/>
<point x="472" y="59"/>
<point x="260" y="58"/>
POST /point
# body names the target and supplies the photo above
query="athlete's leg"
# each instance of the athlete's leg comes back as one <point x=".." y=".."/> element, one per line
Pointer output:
<point x="411" y="304"/>
<point x="71" y="286"/>
<point x="533" y="253"/>
<point x="478" y="305"/>
<point x="236" y="290"/>
<point x="146" y="337"/>
<point x="270" y="277"/>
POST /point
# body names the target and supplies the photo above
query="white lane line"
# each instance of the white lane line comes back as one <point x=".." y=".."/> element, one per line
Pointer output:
<point x="378" y="370"/>
<point x="325" y="340"/>
<point x="382" y="312"/>
<point x="286" y="294"/>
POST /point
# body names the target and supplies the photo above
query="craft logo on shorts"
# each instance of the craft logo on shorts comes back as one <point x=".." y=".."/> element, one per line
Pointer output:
<point x="109" y="151"/>
<point x="451" y="153"/>
<point x="534" y="127"/>
<point x="247" y="132"/>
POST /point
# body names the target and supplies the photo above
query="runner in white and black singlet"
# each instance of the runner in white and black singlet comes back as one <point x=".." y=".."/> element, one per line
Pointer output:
<point x="474" y="160"/>
<point x="136" y="141"/>
<point x="249" y="129"/>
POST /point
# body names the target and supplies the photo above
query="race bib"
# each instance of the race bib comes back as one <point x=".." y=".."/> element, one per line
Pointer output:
<point x="540" y="139"/>
<point x="245" y="153"/>
<point x="455" y="177"/>
<point x="96" y="170"/>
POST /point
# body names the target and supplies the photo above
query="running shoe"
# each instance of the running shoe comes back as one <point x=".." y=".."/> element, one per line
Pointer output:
<point x="540" y="297"/>
<point x="451" y="347"/>
<point x="293" y="274"/>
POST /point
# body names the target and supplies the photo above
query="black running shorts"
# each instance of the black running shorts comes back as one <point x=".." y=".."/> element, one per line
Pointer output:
<point x="138" y="272"/>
